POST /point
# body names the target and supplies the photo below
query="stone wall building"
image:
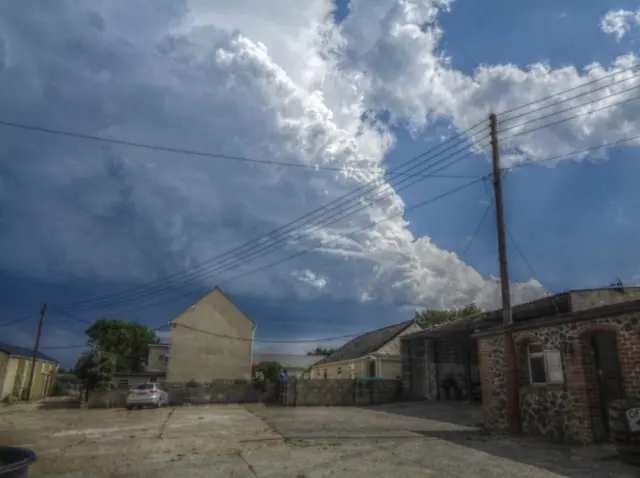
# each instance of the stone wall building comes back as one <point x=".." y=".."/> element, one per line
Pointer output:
<point x="570" y="365"/>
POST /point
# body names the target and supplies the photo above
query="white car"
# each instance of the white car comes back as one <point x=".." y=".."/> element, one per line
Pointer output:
<point x="147" y="395"/>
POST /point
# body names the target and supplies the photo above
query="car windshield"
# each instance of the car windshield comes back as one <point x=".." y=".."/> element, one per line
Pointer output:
<point x="146" y="386"/>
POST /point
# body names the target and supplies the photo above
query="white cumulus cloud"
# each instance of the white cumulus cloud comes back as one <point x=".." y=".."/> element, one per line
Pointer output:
<point x="619" y="22"/>
<point x="276" y="80"/>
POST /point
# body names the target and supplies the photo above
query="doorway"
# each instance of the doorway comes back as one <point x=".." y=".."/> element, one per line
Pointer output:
<point x="606" y="381"/>
<point x="372" y="368"/>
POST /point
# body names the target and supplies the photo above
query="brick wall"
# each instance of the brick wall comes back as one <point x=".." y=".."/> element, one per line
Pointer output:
<point x="568" y="411"/>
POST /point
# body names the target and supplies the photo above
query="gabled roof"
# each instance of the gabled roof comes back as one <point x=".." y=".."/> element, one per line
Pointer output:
<point x="24" y="352"/>
<point x="216" y="288"/>
<point x="366" y="343"/>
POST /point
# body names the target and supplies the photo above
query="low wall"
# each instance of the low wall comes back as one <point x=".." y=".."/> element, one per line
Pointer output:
<point x="295" y="392"/>
<point x="340" y="392"/>
<point x="181" y="393"/>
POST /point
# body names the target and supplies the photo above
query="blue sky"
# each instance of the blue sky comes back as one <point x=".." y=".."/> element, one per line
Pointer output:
<point x="82" y="220"/>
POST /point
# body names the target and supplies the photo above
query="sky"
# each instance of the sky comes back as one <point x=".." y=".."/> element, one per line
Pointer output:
<point x="98" y="229"/>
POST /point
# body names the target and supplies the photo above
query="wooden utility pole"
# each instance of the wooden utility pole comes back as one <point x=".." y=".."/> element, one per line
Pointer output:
<point x="35" y="350"/>
<point x="511" y="372"/>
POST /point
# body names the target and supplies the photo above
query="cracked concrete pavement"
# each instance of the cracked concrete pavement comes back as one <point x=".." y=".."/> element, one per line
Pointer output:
<point x="409" y="440"/>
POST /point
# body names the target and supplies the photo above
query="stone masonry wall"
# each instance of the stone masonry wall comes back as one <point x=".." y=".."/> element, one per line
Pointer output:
<point x="341" y="392"/>
<point x="297" y="393"/>
<point x="563" y="412"/>
<point x="492" y="381"/>
<point x="181" y="393"/>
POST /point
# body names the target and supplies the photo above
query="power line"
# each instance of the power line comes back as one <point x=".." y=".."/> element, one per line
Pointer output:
<point x="574" y="153"/>
<point x="190" y="152"/>
<point x="62" y="347"/>
<point x="73" y="317"/>
<point x="576" y="107"/>
<point x="466" y="250"/>
<point x="258" y="250"/>
<point x="306" y="251"/>
<point x="16" y="321"/>
<point x="564" y="100"/>
<point x="249" y="339"/>
<point x="242" y="339"/>
<point x="582" y="85"/>
<point x="273" y="235"/>
<point x="181" y="273"/>
<point x="234" y="261"/>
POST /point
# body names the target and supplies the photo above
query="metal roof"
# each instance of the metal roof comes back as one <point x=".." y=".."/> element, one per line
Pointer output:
<point x="25" y="352"/>
<point x="367" y="343"/>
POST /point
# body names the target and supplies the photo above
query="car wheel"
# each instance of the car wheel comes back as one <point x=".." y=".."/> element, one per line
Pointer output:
<point x="129" y="407"/>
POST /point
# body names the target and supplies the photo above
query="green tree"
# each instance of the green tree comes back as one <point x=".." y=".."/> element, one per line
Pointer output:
<point x="271" y="370"/>
<point x="429" y="317"/>
<point x="129" y="343"/>
<point x="94" y="369"/>
<point x="321" y="351"/>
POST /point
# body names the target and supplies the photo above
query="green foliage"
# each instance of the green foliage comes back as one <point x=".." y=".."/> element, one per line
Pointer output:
<point x="321" y="351"/>
<point x="128" y="342"/>
<point x="427" y="318"/>
<point x="271" y="370"/>
<point x="94" y="369"/>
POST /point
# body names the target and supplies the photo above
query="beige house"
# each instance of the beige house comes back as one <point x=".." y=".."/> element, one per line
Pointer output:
<point x="210" y="340"/>
<point x="374" y="354"/>
<point x="15" y="369"/>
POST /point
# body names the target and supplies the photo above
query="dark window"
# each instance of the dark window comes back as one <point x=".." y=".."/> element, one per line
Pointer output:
<point x="372" y="368"/>
<point x="537" y="370"/>
<point x="146" y="386"/>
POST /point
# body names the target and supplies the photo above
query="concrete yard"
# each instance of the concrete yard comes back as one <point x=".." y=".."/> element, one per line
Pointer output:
<point x="408" y="440"/>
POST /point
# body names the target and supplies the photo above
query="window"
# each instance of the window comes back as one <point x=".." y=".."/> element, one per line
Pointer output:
<point x="146" y="386"/>
<point x="545" y="366"/>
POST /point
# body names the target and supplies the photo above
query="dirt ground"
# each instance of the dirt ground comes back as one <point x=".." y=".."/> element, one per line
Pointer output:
<point x="408" y="440"/>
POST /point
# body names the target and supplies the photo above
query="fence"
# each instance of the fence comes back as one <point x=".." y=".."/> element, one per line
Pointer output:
<point x="294" y="392"/>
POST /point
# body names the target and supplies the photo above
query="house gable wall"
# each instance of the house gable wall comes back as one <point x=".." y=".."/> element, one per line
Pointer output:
<point x="393" y="346"/>
<point x="210" y="340"/>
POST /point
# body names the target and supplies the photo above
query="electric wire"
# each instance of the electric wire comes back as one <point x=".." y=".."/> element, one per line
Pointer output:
<point x="564" y="120"/>
<point x="579" y="95"/>
<point x="574" y="153"/>
<point x="259" y="250"/>
<point x="16" y="321"/>
<point x="467" y="248"/>
<point x="234" y="261"/>
<point x="544" y="99"/>
<point x="582" y="85"/>
<point x="285" y="229"/>
<point x="307" y="250"/>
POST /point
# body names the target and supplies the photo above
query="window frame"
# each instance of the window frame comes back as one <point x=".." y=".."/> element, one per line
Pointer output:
<point x="542" y="353"/>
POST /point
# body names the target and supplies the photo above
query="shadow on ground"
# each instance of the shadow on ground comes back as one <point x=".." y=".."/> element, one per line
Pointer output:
<point x="456" y="413"/>
<point x="429" y="432"/>
<point x="573" y="462"/>
<point x="57" y="403"/>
